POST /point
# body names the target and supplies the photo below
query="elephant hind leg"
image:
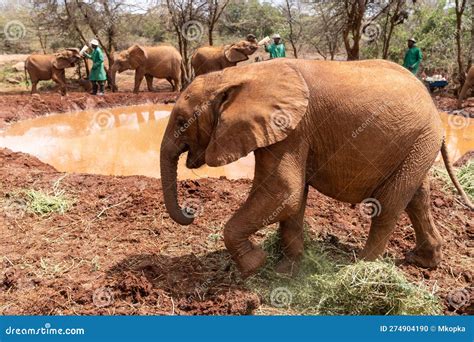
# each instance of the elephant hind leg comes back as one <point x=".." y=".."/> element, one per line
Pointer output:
<point x="34" y="85"/>
<point x="149" y="82"/>
<point x="427" y="252"/>
<point x="393" y="196"/>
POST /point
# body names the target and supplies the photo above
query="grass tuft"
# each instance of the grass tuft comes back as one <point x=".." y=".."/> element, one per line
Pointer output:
<point x="328" y="283"/>
<point x="465" y="175"/>
<point x="42" y="203"/>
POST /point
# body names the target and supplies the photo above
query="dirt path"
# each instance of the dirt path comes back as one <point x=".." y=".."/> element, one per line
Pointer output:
<point x="116" y="251"/>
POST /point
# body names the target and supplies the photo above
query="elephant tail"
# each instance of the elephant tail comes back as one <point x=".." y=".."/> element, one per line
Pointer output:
<point x="452" y="175"/>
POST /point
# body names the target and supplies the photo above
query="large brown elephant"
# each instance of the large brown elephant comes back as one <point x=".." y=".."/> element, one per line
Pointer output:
<point x="47" y="67"/>
<point x="467" y="86"/>
<point x="365" y="131"/>
<point x="214" y="58"/>
<point x="156" y="61"/>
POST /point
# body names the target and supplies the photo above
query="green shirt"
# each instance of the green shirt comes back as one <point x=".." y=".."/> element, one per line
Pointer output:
<point x="276" y="51"/>
<point x="412" y="59"/>
<point x="98" y="71"/>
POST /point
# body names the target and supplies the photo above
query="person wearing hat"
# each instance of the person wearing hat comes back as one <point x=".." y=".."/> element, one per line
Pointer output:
<point x="97" y="75"/>
<point x="413" y="57"/>
<point x="277" y="49"/>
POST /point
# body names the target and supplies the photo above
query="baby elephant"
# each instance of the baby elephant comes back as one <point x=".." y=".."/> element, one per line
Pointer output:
<point x="213" y="58"/>
<point x="365" y="131"/>
<point x="47" y="67"/>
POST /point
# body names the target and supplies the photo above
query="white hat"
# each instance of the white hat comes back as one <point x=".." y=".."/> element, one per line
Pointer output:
<point x="94" y="42"/>
<point x="412" y="40"/>
<point x="276" y="35"/>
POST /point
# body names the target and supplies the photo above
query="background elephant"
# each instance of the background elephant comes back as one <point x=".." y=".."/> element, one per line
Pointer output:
<point x="157" y="61"/>
<point x="365" y="131"/>
<point x="47" y="67"/>
<point x="467" y="85"/>
<point x="214" y="58"/>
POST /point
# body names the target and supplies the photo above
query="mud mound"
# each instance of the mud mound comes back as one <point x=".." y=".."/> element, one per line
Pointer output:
<point x="24" y="161"/>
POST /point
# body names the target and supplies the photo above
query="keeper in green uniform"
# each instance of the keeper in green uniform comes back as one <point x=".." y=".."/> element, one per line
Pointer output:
<point x="277" y="49"/>
<point x="97" y="75"/>
<point x="413" y="57"/>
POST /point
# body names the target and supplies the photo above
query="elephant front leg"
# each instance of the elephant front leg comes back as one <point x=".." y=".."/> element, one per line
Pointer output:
<point x="138" y="80"/>
<point x="277" y="195"/>
<point x="60" y="79"/>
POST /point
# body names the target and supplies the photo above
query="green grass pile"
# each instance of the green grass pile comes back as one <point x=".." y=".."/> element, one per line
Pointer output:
<point x="45" y="203"/>
<point x="328" y="283"/>
<point x="42" y="203"/>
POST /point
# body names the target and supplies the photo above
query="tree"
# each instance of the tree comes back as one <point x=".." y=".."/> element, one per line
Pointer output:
<point x="354" y="11"/>
<point x="292" y="14"/>
<point x="214" y="10"/>
<point x="460" y="6"/>
<point x="186" y="17"/>
<point x="325" y="29"/>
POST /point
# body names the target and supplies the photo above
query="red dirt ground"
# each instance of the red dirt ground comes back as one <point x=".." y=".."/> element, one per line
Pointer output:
<point x="116" y="251"/>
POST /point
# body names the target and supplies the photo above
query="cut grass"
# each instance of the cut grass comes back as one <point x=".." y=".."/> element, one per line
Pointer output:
<point x="44" y="204"/>
<point x="328" y="283"/>
<point x="38" y="202"/>
<point x="465" y="175"/>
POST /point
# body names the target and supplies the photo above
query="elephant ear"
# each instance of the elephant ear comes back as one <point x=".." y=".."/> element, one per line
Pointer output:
<point x="232" y="54"/>
<point x="61" y="61"/>
<point x="252" y="110"/>
<point x="136" y="56"/>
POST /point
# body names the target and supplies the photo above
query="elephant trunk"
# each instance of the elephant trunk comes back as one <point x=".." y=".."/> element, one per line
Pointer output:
<point x="169" y="156"/>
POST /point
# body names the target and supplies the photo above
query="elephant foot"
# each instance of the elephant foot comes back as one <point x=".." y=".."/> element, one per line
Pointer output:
<point x="288" y="266"/>
<point x="425" y="258"/>
<point x="249" y="263"/>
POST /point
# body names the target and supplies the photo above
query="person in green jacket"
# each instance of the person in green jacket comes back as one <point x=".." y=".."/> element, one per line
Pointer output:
<point x="97" y="75"/>
<point x="277" y="49"/>
<point x="413" y="57"/>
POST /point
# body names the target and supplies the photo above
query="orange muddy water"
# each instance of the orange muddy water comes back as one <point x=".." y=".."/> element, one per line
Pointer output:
<point x="126" y="141"/>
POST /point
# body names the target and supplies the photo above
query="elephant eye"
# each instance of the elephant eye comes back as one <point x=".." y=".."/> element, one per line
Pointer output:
<point x="181" y="122"/>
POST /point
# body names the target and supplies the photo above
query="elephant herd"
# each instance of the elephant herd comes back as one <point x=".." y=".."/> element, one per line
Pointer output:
<point x="355" y="131"/>
<point x="163" y="62"/>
